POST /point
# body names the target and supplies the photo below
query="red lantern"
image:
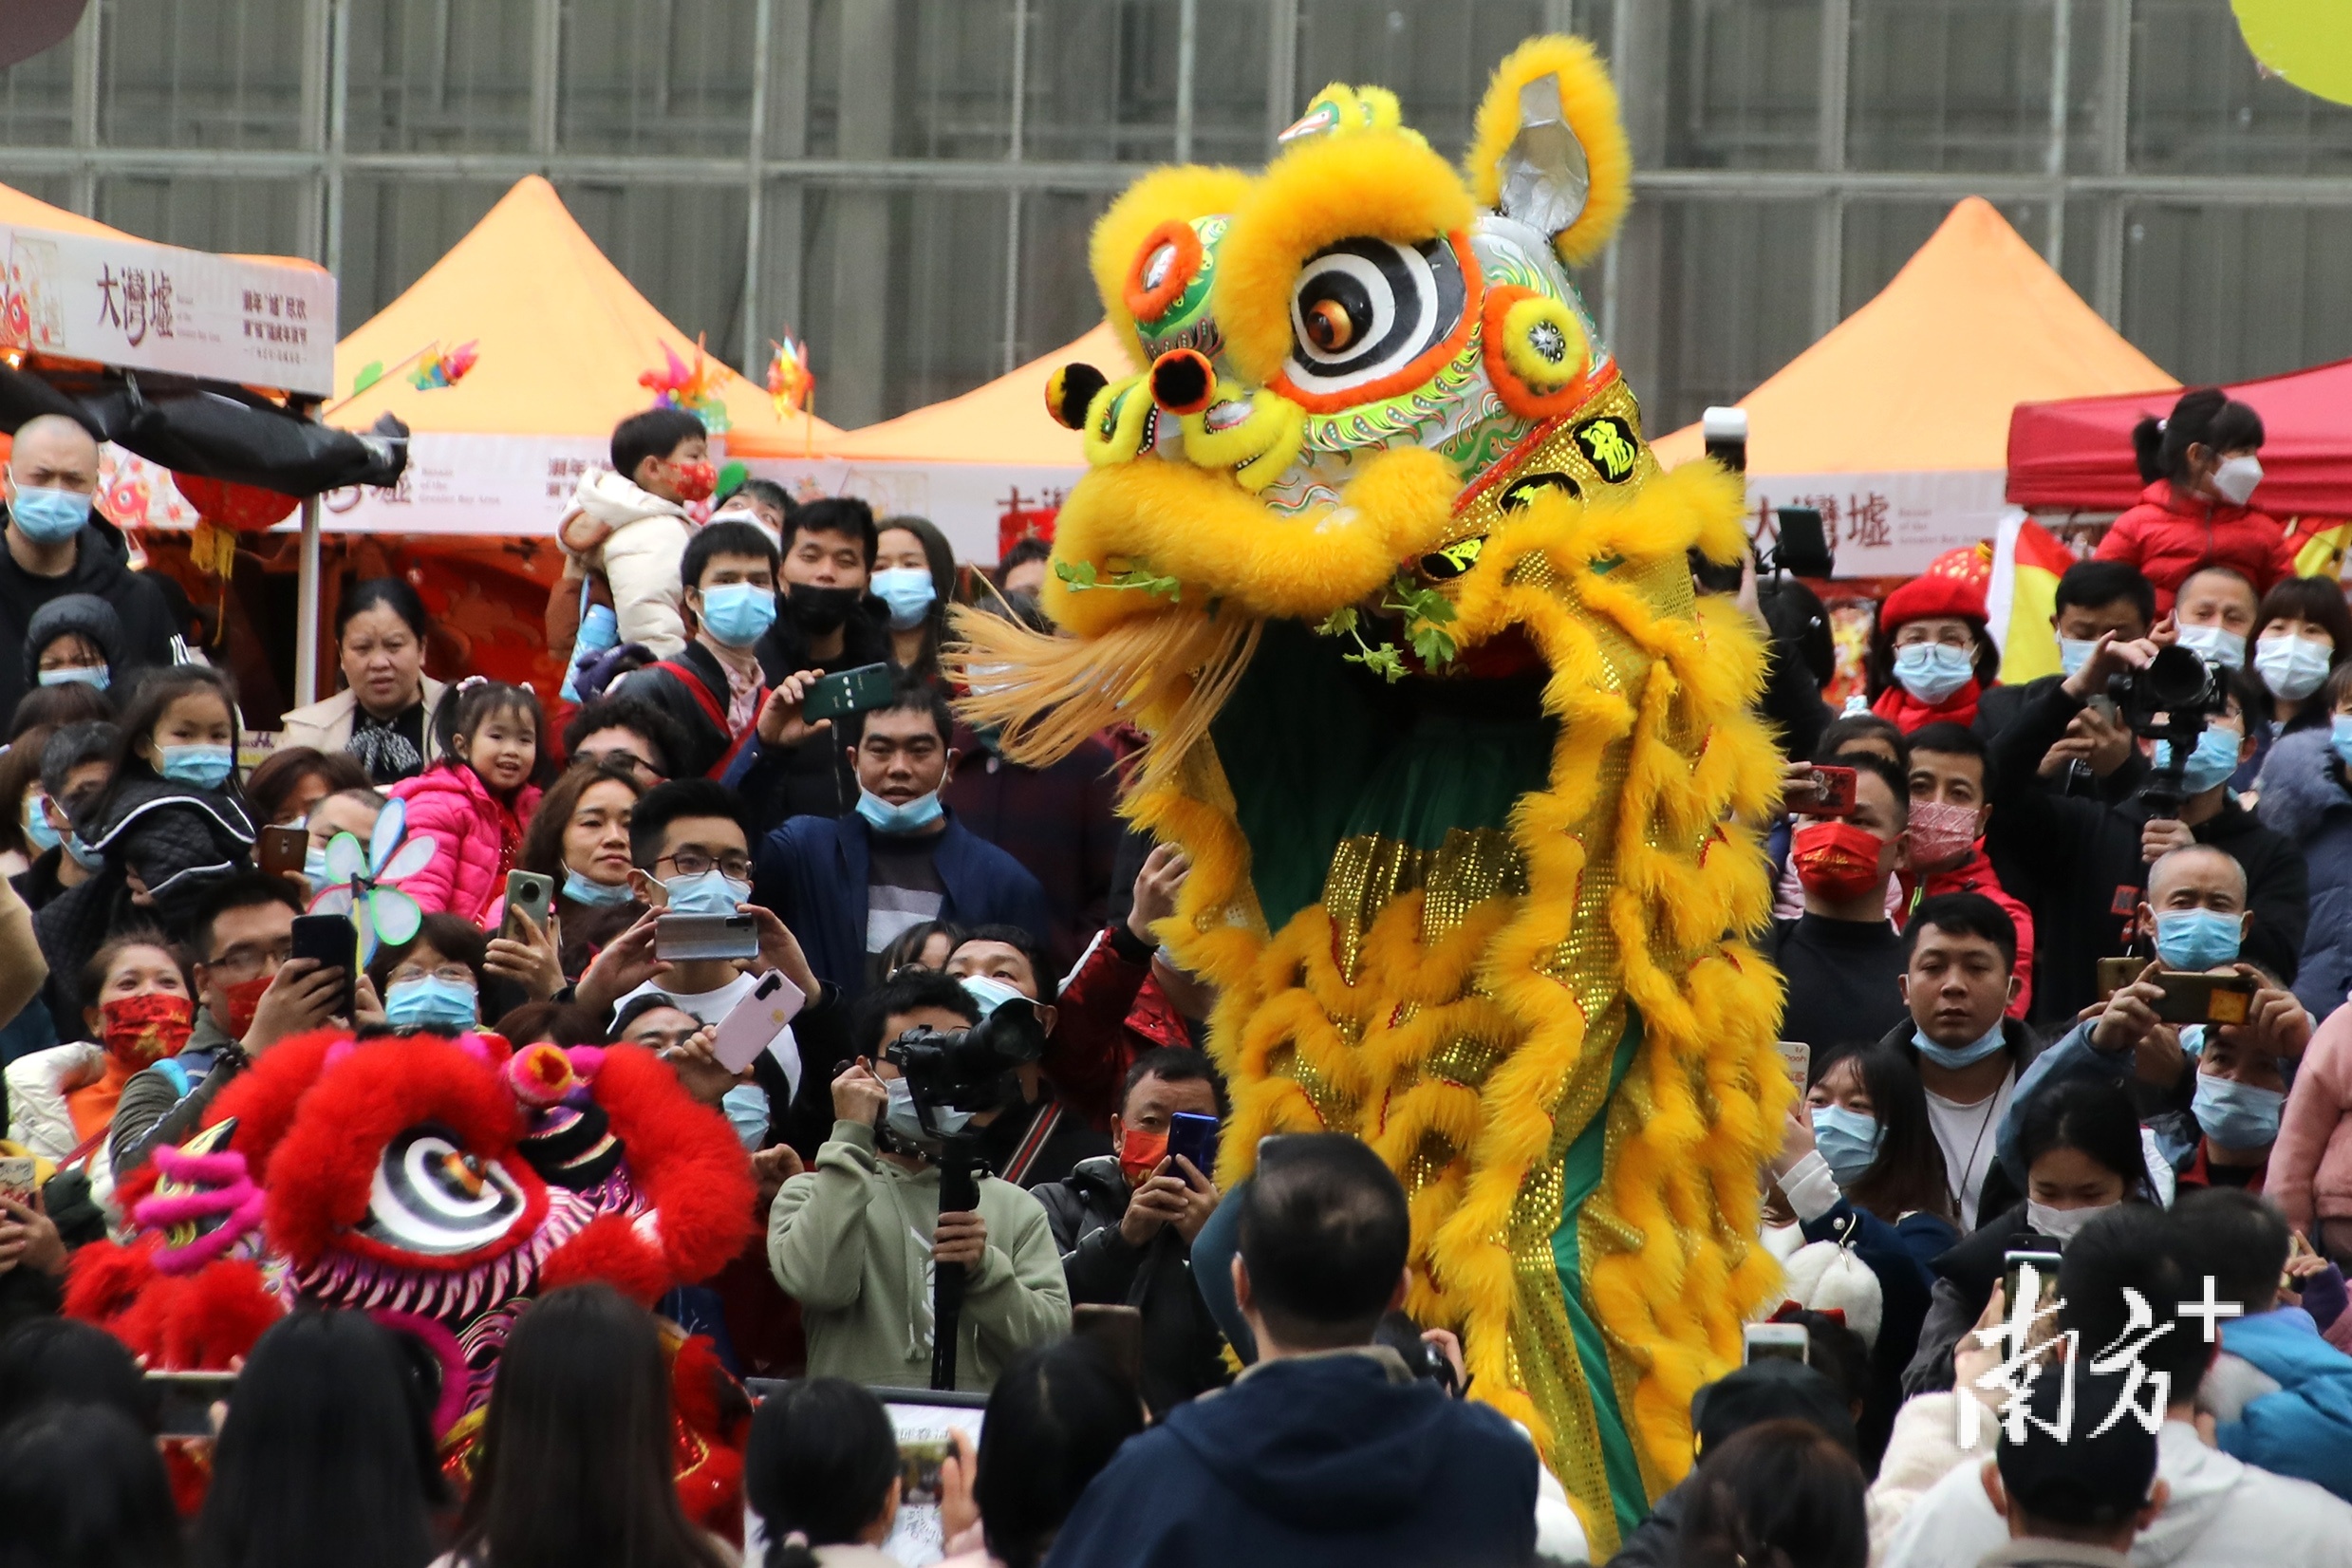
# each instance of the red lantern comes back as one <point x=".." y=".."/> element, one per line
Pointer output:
<point x="248" y="509"/>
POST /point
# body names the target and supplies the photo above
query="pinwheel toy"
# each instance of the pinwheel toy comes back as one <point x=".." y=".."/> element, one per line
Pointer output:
<point x="363" y="879"/>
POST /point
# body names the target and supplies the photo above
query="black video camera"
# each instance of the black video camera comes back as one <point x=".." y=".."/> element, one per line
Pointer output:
<point x="2168" y="701"/>
<point x="967" y="1069"/>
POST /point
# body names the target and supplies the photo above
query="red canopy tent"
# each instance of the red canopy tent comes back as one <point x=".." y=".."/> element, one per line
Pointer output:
<point x="2076" y="455"/>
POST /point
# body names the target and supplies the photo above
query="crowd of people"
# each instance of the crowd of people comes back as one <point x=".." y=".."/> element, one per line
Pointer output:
<point x="1991" y="902"/>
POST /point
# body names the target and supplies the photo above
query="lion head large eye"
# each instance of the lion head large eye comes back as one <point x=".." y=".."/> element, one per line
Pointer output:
<point x="1364" y="309"/>
<point x="430" y="1196"/>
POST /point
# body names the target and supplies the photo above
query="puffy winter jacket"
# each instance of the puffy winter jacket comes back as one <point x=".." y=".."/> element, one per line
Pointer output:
<point x="2310" y="1172"/>
<point x="2305" y="799"/>
<point x="634" y="539"/>
<point x="2168" y="535"/>
<point x="475" y="838"/>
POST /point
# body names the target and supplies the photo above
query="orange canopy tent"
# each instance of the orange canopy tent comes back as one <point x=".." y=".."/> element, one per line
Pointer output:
<point x="510" y="359"/>
<point x="987" y="467"/>
<point x="1896" y="423"/>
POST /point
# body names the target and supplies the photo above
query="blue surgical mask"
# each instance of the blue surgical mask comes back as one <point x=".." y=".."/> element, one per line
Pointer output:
<point x="49" y="516"/>
<point x="2340" y="737"/>
<point x="738" y="613"/>
<point x="2237" y="1115"/>
<point x="37" y="829"/>
<point x="430" y="1002"/>
<point x="600" y="630"/>
<point x="83" y="856"/>
<point x="2197" y="939"/>
<point x="206" y="767"/>
<point x="884" y="818"/>
<point x="2215" y="645"/>
<point x="906" y="1121"/>
<point x="1953" y="1057"/>
<point x="2211" y="761"/>
<point x="1848" y="1141"/>
<point x="1932" y="672"/>
<point x="710" y="893"/>
<point x="314" y="866"/>
<point x="2291" y="666"/>
<point x="85" y="675"/>
<point x="598" y="895"/>
<point x="990" y="992"/>
<point x="2075" y="652"/>
<point x="908" y="594"/>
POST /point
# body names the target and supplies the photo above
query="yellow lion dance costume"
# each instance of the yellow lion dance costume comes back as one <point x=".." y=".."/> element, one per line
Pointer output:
<point x="1374" y="549"/>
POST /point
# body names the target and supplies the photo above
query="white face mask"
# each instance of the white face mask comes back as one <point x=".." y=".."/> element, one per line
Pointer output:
<point x="2235" y="480"/>
<point x="2215" y="645"/>
<point x="2061" y="1224"/>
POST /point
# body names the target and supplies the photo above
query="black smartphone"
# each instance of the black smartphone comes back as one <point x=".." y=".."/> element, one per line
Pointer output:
<point x="860" y="690"/>
<point x="2013" y="1265"/>
<point x="1802" y="547"/>
<point x="334" y="941"/>
<point x="1193" y="1137"/>
<point x="2198" y="998"/>
<point x="282" y="850"/>
<point x="185" y="1399"/>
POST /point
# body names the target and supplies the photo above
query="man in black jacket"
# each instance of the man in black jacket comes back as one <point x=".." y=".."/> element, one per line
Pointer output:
<point x="1126" y="1222"/>
<point x="57" y="545"/>
<point x="716" y="686"/>
<point x="2094" y="854"/>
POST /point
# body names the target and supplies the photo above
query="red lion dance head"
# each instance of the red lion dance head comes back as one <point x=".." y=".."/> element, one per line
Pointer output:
<point x="436" y="1184"/>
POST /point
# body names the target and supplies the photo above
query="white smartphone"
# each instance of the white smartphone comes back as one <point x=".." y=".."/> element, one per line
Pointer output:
<point x="753" y="1024"/>
<point x="692" y="939"/>
<point x="1797" y="1059"/>
<point x="1776" y="1342"/>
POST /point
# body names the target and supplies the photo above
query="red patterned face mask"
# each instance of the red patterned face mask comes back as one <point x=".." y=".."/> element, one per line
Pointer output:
<point x="696" y="481"/>
<point x="140" y="1030"/>
<point x="1837" y="860"/>
<point x="1140" y="1154"/>
<point x="244" y="999"/>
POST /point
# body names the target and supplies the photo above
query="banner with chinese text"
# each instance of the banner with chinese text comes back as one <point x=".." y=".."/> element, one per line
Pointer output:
<point x="144" y="307"/>
<point x="1886" y="525"/>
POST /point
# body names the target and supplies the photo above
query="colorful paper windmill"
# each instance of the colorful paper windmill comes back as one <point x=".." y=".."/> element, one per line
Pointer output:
<point x="439" y="369"/>
<point x="362" y="878"/>
<point x="695" y="390"/>
<point x="789" y="380"/>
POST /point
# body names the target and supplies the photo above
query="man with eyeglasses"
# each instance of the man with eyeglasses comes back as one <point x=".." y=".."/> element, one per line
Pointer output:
<point x="848" y="885"/>
<point x="626" y="731"/>
<point x="253" y="994"/>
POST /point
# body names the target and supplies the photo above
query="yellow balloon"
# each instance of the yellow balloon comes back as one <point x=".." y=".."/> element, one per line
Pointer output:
<point x="2305" y="42"/>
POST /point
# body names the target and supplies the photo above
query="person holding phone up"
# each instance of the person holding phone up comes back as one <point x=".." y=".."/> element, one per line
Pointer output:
<point x="2197" y="908"/>
<point x="1126" y="1223"/>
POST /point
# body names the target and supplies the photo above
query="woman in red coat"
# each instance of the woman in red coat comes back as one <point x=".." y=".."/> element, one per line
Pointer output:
<point x="2201" y="472"/>
<point x="1930" y="656"/>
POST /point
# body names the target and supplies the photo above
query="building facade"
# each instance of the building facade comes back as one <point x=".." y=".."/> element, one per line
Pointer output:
<point x="909" y="183"/>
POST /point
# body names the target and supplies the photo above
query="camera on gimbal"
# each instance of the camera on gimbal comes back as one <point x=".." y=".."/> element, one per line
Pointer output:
<point x="967" y="1069"/>
<point x="2168" y="701"/>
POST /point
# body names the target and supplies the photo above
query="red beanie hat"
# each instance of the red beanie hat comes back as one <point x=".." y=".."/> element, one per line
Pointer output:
<point x="1935" y="594"/>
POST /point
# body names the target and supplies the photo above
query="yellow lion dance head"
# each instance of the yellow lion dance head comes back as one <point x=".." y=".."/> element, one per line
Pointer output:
<point x="1374" y="550"/>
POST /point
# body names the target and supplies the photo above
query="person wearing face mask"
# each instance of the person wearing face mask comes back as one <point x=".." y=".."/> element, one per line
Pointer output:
<point x="1124" y="1222"/>
<point x="914" y="572"/>
<point x="434" y="980"/>
<point x="75" y="637"/>
<point x="690" y="855"/>
<point x="2097" y="756"/>
<point x="1033" y="1139"/>
<point x="252" y="994"/>
<point x="1930" y="657"/>
<point x="848" y="885"/>
<point x="2302" y="635"/>
<point x="625" y="529"/>
<point x="855" y="1238"/>
<point x="1950" y="806"/>
<point x="1859" y="1167"/>
<point x="1021" y="577"/>
<point x="2081" y="1152"/>
<point x="2196" y="909"/>
<point x="2306" y="799"/>
<point x="75" y="765"/>
<point x="2093" y="855"/>
<point x="59" y="545"/>
<point x="2200" y="466"/>
<point x="715" y="685"/>
<point x="1840" y="956"/>
<point x="825" y="621"/>
<point x="2213" y="615"/>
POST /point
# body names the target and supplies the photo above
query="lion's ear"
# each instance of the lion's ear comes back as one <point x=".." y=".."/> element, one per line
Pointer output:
<point x="1550" y="148"/>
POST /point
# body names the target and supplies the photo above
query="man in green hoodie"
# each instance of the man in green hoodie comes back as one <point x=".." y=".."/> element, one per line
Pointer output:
<point x="854" y="1239"/>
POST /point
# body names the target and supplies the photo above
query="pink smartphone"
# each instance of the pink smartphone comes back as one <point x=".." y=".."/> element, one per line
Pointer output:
<point x="755" y="1022"/>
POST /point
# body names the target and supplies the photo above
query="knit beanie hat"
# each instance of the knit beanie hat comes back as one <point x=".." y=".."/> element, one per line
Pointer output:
<point x="66" y="614"/>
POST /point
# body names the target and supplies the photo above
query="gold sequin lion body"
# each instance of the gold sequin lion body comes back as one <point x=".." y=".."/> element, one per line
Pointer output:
<point x="1372" y="549"/>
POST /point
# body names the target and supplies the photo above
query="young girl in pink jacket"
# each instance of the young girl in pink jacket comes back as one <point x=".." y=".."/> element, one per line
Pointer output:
<point x="476" y="800"/>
